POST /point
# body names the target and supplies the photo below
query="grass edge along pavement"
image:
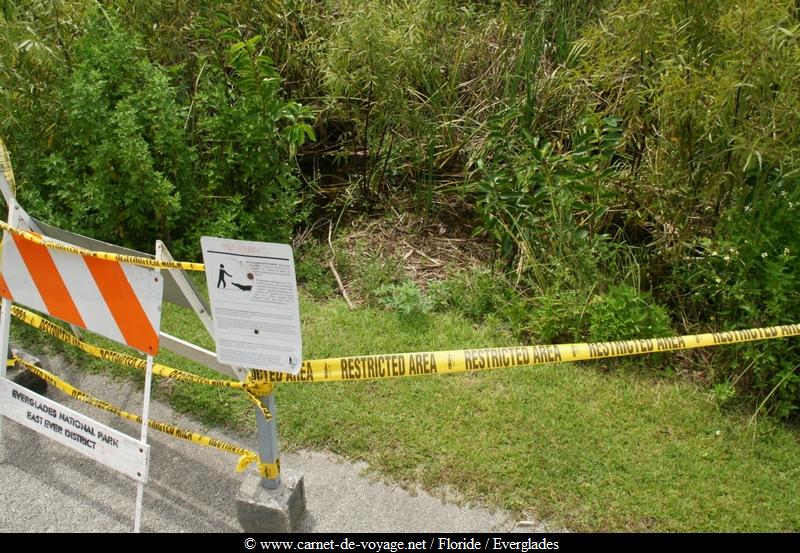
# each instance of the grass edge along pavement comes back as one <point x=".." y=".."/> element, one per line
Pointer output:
<point x="579" y="448"/>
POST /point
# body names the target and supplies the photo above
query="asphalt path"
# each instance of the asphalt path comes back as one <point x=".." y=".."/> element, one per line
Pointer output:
<point x="46" y="487"/>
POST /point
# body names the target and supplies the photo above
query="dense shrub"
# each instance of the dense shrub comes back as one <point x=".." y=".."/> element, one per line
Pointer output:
<point x="623" y="313"/>
<point x="246" y="138"/>
<point x="127" y="158"/>
<point x="117" y="158"/>
<point x="707" y="96"/>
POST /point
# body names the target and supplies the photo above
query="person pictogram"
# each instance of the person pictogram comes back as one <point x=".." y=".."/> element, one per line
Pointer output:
<point x="222" y="273"/>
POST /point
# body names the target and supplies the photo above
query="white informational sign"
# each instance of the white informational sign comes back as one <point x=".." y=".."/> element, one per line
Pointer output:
<point x="87" y="436"/>
<point x="254" y="305"/>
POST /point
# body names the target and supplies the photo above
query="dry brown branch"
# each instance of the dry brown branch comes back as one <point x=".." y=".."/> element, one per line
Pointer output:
<point x="332" y="267"/>
<point x="423" y="254"/>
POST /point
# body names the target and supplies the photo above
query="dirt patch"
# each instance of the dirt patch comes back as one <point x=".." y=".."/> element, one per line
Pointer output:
<point x="427" y="250"/>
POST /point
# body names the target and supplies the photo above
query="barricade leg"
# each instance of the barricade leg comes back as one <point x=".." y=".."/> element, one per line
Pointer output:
<point x="270" y="503"/>
<point x="5" y="325"/>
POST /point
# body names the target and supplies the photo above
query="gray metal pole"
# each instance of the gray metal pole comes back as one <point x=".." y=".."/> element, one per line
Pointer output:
<point x="267" y="431"/>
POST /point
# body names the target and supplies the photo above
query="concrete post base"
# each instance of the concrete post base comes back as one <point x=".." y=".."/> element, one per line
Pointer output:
<point x="271" y="511"/>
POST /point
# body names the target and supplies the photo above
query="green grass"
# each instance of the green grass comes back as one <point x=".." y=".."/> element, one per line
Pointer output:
<point x="590" y="451"/>
<point x="582" y="449"/>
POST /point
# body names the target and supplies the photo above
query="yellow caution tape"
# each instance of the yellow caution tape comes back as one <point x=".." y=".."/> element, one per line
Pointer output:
<point x="250" y="388"/>
<point x="246" y="456"/>
<point x="371" y="367"/>
<point x="374" y="367"/>
<point x="121" y="258"/>
<point x="5" y="166"/>
<point x="396" y="365"/>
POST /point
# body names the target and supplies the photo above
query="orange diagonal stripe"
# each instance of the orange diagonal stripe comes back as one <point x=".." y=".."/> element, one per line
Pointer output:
<point x="48" y="281"/>
<point x="131" y="319"/>
<point x="5" y="291"/>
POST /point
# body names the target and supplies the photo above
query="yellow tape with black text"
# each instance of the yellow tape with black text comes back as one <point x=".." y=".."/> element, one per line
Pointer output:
<point x="396" y="365"/>
<point x="251" y="389"/>
<point x="371" y="367"/>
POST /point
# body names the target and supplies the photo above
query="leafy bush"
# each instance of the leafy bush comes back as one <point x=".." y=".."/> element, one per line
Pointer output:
<point x="706" y="94"/>
<point x="117" y="158"/>
<point x="545" y="205"/>
<point x="246" y="138"/>
<point x="558" y="317"/>
<point x="750" y="279"/>
<point x="126" y="160"/>
<point x="406" y="298"/>
<point x="623" y="313"/>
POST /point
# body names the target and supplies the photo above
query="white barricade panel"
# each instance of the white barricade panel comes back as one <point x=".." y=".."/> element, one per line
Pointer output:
<point x="68" y="427"/>
<point x="116" y="300"/>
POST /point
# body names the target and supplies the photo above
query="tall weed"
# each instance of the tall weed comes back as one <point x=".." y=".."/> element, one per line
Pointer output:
<point x="707" y="96"/>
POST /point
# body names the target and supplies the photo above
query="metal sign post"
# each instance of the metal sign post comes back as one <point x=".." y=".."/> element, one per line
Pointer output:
<point x="256" y="321"/>
<point x="267" y="433"/>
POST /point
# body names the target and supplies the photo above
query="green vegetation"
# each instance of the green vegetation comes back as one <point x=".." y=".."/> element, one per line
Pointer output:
<point x="599" y="146"/>
<point x="123" y="155"/>
<point x="618" y="168"/>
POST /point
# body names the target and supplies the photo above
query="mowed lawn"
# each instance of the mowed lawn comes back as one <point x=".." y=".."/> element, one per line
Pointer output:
<point x="584" y="449"/>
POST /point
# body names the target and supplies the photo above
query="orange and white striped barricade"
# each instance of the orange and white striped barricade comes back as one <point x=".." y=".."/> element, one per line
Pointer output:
<point x="117" y="300"/>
